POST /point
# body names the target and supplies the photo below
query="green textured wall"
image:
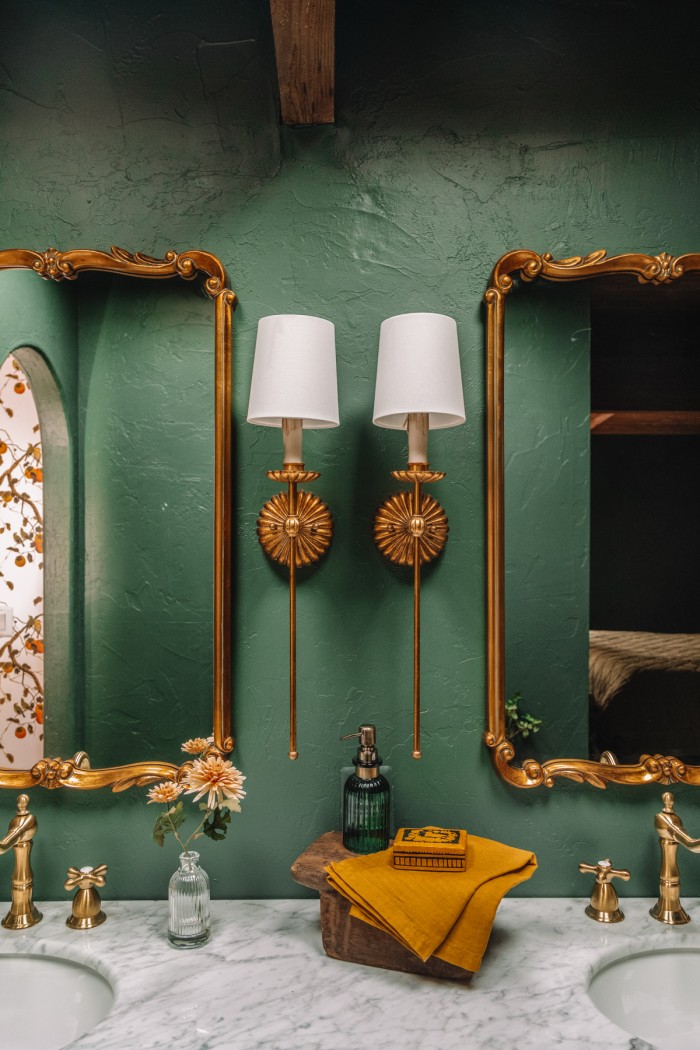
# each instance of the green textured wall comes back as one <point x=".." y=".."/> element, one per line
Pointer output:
<point x="462" y="132"/>
<point x="146" y="367"/>
<point x="546" y="486"/>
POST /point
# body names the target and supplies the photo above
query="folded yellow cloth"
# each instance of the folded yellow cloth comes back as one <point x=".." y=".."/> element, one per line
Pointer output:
<point x="447" y="914"/>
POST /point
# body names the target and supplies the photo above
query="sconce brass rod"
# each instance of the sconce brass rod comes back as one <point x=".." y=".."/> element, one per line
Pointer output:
<point x="225" y="303"/>
<point x="410" y="528"/>
<point x="417" y="502"/>
<point x="295" y="529"/>
<point x="293" y="753"/>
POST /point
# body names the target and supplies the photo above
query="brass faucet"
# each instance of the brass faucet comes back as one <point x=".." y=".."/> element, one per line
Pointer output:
<point x="669" y="828"/>
<point x="23" y="912"/>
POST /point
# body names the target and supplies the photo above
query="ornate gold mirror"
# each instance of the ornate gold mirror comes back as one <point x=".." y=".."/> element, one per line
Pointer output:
<point x="133" y="447"/>
<point x="593" y="440"/>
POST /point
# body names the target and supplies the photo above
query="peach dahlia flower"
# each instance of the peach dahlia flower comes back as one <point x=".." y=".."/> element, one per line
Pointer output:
<point x="166" y="792"/>
<point x="196" y="745"/>
<point x="218" y="779"/>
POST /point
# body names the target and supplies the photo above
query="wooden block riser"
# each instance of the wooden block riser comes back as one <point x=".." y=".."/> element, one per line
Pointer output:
<point x="352" y="940"/>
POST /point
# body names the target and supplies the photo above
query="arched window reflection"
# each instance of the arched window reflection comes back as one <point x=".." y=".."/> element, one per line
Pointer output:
<point x="21" y="571"/>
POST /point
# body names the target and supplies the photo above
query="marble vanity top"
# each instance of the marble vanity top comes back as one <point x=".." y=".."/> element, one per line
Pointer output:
<point x="263" y="981"/>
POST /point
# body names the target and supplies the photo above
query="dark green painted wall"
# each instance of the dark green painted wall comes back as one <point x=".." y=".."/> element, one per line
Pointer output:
<point x="463" y="131"/>
<point x="146" y="360"/>
<point x="547" y="528"/>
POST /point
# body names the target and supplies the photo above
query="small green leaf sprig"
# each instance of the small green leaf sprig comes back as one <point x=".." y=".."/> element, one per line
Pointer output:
<point x="520" y="723"/>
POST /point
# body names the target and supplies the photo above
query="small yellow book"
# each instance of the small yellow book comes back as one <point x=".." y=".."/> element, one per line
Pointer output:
<point x="430" y="849"/>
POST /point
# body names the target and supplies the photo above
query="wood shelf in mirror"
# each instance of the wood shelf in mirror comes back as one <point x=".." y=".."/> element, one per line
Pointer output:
<point x="648" y="422"/>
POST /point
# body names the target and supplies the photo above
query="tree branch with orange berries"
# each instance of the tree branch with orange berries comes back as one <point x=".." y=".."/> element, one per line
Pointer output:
<point x="21" y="544"/>
<point x="27" y="699"/>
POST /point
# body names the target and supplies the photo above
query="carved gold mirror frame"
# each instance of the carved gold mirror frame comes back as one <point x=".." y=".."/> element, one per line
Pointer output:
<point x="54" y="265"/>
<point x="529" y="266"/>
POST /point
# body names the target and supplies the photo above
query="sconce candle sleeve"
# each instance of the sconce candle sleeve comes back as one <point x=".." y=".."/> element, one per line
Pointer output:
<point x="418" y="429"/>
<point x="292" y="430"/>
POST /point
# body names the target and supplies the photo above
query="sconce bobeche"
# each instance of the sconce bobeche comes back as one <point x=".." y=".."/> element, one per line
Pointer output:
<point x="294" y="386"/>
<point x="419" y="388"/>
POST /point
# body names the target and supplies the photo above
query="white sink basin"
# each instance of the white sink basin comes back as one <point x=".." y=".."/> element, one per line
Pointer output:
<point x="46" y="1003"/>
<point x="653" y="995"/>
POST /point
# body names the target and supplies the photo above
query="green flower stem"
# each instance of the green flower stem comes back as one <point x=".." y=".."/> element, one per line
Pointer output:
<point x="184" y="846"/>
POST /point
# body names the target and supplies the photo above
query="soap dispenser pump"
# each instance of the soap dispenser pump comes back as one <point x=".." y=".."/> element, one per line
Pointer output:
<point x="366" y="798"/>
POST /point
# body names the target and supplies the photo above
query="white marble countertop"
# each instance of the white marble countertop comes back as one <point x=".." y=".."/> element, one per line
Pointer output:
<point x="264" y="981"/>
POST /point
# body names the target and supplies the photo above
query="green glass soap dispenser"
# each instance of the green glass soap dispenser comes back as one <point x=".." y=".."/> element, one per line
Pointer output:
<point x="366" y="798"/>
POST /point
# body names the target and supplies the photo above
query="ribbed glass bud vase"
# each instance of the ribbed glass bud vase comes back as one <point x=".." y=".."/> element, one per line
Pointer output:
<point x="189" y="923"/>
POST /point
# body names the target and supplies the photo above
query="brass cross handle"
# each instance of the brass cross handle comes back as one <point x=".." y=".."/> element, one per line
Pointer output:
<point x="87" y="906"/>
<point x="604" y="871"/>
<point x="86" y="878"/>
<point x="604" y="905"/>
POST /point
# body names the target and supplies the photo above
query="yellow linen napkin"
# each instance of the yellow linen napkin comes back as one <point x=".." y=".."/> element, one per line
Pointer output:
<point x="444" y="913"/>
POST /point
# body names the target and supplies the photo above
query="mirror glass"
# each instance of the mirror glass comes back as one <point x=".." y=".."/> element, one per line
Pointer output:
<point x="644" y="614"/>
<point x="602" y="498"/>
<point x="124" y="374"/>
<point x="601" y="504"/>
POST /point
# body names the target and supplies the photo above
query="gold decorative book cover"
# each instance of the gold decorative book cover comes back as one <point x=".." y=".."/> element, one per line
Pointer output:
<point x="431" y="849"/>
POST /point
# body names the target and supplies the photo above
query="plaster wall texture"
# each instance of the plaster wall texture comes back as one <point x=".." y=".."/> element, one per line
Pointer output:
<point x="461" y="132"/>
<point x="546" y="468"/>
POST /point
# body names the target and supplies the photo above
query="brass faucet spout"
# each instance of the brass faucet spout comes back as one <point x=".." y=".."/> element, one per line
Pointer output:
<point x="672" y="834"/>
<point x="23" y="912"/>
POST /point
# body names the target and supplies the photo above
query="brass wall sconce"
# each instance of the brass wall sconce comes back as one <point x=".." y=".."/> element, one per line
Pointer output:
<point x="294" y="386"/>
<point x="419" y="388"/>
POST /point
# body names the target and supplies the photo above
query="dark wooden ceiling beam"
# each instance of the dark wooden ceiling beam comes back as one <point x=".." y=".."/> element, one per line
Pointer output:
<point x="304" y="32"/>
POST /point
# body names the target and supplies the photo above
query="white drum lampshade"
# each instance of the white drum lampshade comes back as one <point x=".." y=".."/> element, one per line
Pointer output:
<point x="418" y="371"/>
<point x="294" y="374"/>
